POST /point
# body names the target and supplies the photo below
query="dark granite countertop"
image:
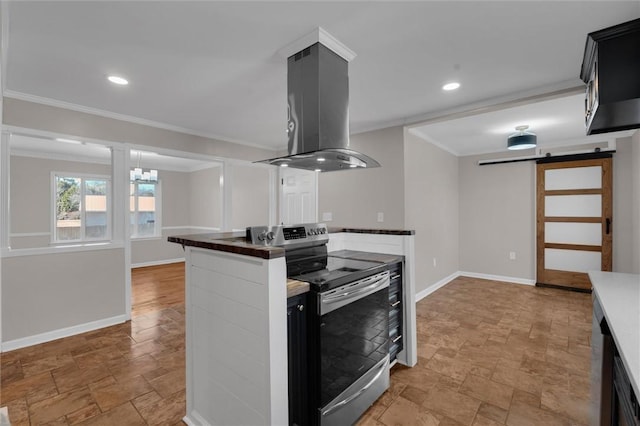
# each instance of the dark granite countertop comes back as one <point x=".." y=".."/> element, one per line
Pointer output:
<point x="368" y="256"/>
<point x="235" y="242"/>
<point x="373" y="231"/>
<point x="231" y="242"/>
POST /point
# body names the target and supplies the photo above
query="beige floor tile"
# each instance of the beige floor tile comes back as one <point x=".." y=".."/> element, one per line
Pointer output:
<point x="487" y="390"/>
<point x="124" y="414"/>
<point x="404" y="412"/>
<point x="58" y="406"/>
<point x="522" y="414"/>
<point x="459" y="407"/>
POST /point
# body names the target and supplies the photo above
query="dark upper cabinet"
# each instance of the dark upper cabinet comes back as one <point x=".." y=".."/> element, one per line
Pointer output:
<point x="611" y="70"/>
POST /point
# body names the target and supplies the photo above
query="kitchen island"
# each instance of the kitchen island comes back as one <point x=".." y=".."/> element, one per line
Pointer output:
<point x="618" y="295"/>
<point x="236" y="323"/>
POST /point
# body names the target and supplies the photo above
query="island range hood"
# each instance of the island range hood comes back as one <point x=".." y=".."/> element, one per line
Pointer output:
<point x="318" y="113"/>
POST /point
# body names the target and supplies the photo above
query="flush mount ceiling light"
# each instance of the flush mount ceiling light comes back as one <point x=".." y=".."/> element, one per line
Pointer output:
<point x="451" y="86"/>
<point x="118" y="80"/>
<point x="522" y="139"/>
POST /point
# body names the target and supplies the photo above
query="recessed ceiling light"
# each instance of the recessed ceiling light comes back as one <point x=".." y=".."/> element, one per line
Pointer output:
<point x="118" y="80"/>
<point x="318" y="170"/>
<point x="320" y="159"/>
<point x="451" y="86"/>
<point x="284" y="165"/>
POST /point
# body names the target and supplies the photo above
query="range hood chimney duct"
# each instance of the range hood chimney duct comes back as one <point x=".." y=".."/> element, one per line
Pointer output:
<point x="318" y="113"/>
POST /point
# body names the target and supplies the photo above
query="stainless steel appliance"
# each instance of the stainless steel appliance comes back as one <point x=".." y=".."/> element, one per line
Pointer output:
<point x="349" y="333"/>
<point x="318" y="113"/>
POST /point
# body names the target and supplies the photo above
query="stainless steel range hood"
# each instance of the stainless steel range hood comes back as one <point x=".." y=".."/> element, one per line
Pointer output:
<point x="318" y="113"/>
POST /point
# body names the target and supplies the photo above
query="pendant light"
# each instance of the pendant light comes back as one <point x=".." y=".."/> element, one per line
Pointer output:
<point x="137" y="174"/>
<point x="521" y="139"/>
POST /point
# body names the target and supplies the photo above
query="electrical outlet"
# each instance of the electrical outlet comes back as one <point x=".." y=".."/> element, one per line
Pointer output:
<point x="512" y="255"/>
<point x="380" y="217"/>
<point x="435" y="263"/>
<point x="327" y="216"/>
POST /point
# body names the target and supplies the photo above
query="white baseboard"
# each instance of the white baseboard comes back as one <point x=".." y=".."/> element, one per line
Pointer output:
<point x="433" y="287"/>
<point x="194" y="419"/>
<point x="157" y="262"/>
<point x="515" y="280"/>
<point x="427" y="291"/>
<point x="48" y="336"/>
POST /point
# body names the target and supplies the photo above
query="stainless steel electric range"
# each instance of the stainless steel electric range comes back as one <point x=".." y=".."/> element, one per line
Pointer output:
<point x="349" y="332"/>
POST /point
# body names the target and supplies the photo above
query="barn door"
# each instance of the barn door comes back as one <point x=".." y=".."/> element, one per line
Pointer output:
<point x="574" y="221"/>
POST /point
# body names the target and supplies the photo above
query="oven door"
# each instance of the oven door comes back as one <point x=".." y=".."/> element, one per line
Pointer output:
<point x="354" y="348"/>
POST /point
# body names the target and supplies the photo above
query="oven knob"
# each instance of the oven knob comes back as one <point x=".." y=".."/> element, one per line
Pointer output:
<point x="301" y="308"/>
<point x="262" y="236"/>
<point x="312" y="231"/>
<point x="270" y="236"/>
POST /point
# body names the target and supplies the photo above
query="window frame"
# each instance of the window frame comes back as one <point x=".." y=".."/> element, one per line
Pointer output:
<point x="53" y="212"/>
<point x="133" y="235"/>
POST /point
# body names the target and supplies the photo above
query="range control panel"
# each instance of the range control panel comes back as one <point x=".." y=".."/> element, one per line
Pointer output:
<point x="283" y="235"/>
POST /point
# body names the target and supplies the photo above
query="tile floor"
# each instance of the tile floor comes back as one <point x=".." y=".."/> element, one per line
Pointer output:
<point x="490" y="353"/>
<point x="128" y="374"/>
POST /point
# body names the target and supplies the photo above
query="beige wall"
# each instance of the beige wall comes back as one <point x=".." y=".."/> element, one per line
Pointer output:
<point x="205" y="198"/>
<point x="175" y="212"/>
<point x="250" y="196"/>
<point x="42" y="117"/>
<point x="30" y="192"/>
<point x="355" y="197"/>
<point x="623" y="207"/>
<point x="49" y="292"/>
<point x="497" y="216"/>
<point x="431" y="209"/>
<point x="635" y="203"/>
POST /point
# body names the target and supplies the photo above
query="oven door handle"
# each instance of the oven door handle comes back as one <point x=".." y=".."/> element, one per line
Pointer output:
<point x="331" y="301"/>
<point x="357" y="394"/>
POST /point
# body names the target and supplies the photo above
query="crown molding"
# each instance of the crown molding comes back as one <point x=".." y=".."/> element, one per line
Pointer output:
<point x="123" y="117"/>
<point x="318" y="35"/>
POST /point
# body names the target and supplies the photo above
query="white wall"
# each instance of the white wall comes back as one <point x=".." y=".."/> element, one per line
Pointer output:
<point x="431" y="209"/>
<point x="354" y="197"/>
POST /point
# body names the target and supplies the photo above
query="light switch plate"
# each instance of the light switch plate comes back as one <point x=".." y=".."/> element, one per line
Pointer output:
<point x="327" y="216"/>
<point x="380" y="217"/>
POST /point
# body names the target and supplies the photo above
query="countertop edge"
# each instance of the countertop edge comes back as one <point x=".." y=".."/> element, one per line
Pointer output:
<point x="619" y="337"/>
<point x="335" y="230"/>
<point x="210" y="242"/>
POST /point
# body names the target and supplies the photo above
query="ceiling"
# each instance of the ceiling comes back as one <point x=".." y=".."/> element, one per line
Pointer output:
<point x="213" y="68"/>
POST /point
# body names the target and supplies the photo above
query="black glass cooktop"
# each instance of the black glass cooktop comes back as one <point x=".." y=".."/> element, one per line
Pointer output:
<point x="327" y="272"/>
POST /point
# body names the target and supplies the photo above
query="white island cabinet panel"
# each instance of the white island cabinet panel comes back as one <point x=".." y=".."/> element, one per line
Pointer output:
<point x="236" y="339"/>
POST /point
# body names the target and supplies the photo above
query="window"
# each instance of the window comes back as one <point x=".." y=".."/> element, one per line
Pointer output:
<point x="82" y="205"/>
<point x="144" y="205"/>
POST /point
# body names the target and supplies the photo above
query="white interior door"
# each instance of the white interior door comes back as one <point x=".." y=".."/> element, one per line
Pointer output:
<point x="298" y="196"/>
